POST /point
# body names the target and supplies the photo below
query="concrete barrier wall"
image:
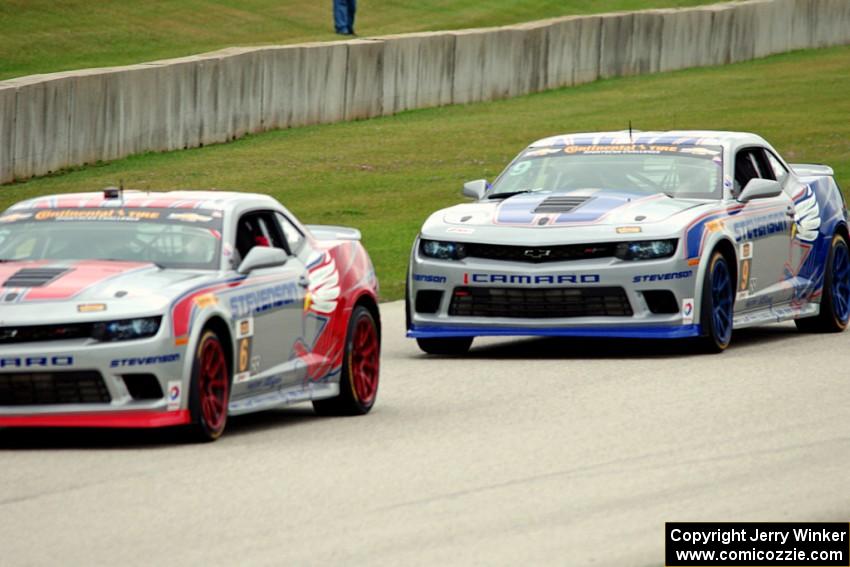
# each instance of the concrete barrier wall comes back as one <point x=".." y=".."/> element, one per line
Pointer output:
<point x="42" y="124"/>
<point x="364" y="79"/>
<point x="418" y="71"/>
<point x="304" y="84"/>
<point x="48" y="122"/>
<point x="686" y="37"/>
<point x="573" y="54"/>
<point x="95" y="106"/>
<point x="8" y="96"/>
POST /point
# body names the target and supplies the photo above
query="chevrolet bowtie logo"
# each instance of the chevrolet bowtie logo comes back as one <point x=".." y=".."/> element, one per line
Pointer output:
<point x="537" y="253"/>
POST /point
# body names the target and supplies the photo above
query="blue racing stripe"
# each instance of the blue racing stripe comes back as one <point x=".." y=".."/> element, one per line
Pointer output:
<point x="626" y="332"/>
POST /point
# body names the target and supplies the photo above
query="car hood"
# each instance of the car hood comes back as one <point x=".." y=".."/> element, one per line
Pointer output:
<point x="46" y="290"/>
<point x="559" y="215"/>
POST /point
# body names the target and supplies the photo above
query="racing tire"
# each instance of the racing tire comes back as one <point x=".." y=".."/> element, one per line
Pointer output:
<point x="835" y="302"/>
<point x="452" y="347"/>
<point x="358" y="383"/>
<point x="209" y="392"/>
<point x="718" y="299"/>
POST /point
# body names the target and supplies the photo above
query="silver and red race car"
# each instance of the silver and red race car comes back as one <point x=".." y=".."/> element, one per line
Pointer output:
<point x="634" y="235"/>
<point x="134" y="309"/>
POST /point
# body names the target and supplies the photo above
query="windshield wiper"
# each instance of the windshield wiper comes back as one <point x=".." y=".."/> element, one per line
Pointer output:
<point x="507" y="194"/>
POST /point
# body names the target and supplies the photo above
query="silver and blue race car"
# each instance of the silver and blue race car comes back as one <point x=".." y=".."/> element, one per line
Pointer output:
<point x="136" y="309"/>
<point x="680" y="234"/>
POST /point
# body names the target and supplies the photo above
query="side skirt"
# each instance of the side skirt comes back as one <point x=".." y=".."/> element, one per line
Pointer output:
<point x="775" y="315"/>
<point x="284" y="397"/>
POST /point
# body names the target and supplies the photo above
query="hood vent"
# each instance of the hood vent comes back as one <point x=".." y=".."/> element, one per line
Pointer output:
<point x="560" y="204"/>
<point x="34" y="277"/>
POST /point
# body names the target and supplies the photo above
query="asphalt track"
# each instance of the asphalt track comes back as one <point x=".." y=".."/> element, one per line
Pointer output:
<point x="525" y="452"/>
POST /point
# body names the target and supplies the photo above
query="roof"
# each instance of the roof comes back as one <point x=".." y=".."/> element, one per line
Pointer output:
<point x="215" y="200"/>
<point x="674" y="137"/>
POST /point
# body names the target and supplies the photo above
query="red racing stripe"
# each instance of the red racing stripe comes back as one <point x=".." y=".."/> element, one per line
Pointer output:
<point x="146" y="201"/>
<point x="77" y="201"/>
<point x="94" y="200"/>
<point x="99" y="419"/>
<point x="80" y="277"/>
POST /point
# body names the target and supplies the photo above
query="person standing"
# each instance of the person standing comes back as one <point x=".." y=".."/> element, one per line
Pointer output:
<point x="344" y="16"/>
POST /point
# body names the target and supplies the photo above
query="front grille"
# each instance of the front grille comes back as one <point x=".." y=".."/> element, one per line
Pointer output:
<point x="36" y="388"/>
<point x="541" y="254"/>
<point x="34" y="277"/>
<point x="560" y="204"/>
<point x="38" y="333"/>
<point x="540" y="303"/>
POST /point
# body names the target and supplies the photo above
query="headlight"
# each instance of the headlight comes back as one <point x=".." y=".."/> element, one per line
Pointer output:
<point x="646" y="249"/>
<point x="442" y="250"/>
<point x="126" y="329"/>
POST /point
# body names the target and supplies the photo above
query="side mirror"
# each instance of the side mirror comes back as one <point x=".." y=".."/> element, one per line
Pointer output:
<point x="758" y="188"/>
<point x="262" y="257"/>
<point x="475" y="189"/>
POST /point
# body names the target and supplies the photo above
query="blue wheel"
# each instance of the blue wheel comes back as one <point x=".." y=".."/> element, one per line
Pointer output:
<point x="840" y="288"/>
<point x="718" y="300"/>
<point x="835" y="302"/>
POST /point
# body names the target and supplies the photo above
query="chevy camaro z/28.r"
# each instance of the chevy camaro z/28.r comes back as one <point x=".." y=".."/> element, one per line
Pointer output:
<point x="643" y="235"/>
<point x="132" y="309"/>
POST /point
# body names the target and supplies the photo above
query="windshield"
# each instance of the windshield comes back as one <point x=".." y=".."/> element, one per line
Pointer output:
<point x="170" y="238"/>
<point x="685" y="171"/>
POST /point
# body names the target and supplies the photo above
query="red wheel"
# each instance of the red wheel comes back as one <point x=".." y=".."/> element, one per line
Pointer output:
<point x="363" y="362"/>
<point x="210" y="388"/>
<point x="358" y="384"/>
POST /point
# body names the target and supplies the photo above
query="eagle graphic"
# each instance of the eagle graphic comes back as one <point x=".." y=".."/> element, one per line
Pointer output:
<point x="807" y="216"/>
<point x="324" y="286"/>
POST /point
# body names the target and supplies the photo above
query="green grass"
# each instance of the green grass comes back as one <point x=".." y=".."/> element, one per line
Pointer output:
<point x="42" y="36"/>
<point x="385" y="176"/>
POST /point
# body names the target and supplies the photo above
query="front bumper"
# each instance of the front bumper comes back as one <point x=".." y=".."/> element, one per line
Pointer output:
<point x="40" y="384"/>
<point x="440" y="318"/>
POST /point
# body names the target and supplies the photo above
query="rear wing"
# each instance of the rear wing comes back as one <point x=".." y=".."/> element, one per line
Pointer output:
<point x="805" y="169"/>
<point x="327" y="232"/>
